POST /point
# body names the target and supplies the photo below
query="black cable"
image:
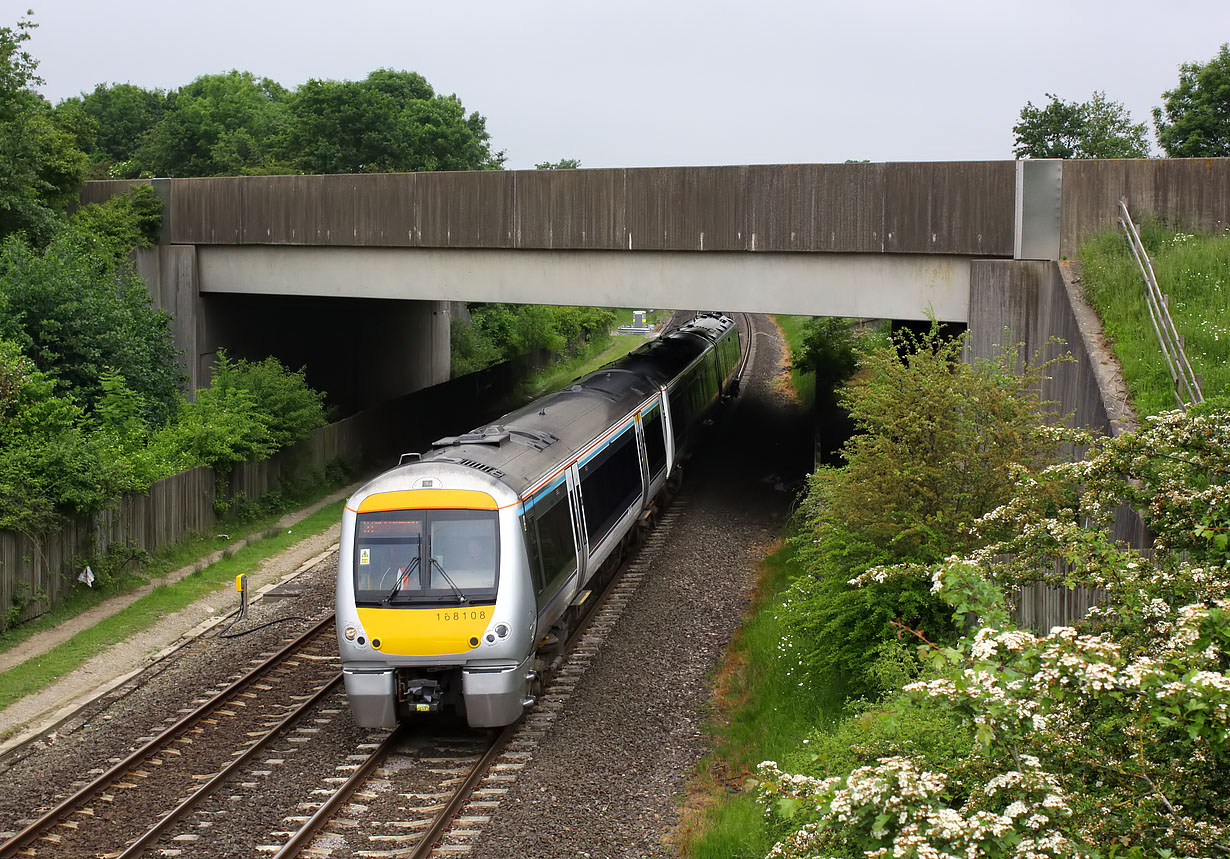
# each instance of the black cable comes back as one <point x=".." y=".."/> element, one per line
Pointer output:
<point x="226" y="632"/>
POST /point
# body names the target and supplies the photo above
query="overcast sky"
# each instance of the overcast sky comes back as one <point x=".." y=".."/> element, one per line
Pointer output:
<point x="663" y="83"/>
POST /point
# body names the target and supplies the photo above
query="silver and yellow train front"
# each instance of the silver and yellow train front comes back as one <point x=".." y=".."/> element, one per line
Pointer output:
<point x="434" y="605"/>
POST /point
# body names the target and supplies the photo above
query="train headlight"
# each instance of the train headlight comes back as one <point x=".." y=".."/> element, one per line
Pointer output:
<point x="501" y="629"/>
<point x="350" y="633"/>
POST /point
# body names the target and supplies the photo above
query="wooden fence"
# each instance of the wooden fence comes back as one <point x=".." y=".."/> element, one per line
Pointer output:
<point x="38" y="572"/>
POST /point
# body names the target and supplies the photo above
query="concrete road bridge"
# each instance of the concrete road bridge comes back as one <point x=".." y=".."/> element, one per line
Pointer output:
<point x="354" y="274"/>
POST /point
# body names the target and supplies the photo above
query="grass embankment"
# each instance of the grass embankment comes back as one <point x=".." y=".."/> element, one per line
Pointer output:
<point x="804" y="384"/>
<point x="590" y="358"/>
<point x="1195" y="272"/>
<point x="40" y="671"/>
<point x="761" y="715"/>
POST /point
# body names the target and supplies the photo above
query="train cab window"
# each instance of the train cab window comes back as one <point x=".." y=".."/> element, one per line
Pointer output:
<point x="655" y="440"/>
<point x="610" y="482"/>
<point x="463" y="551"/>
<point x="432" y="557"/>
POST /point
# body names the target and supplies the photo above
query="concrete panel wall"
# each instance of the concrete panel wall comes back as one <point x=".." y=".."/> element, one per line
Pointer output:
<point x="895" y="286"/>
<point x="1193" y="193"/>
<point x="1029" y="303"/>
<point x="1024" y="302"/>
<point x="361" y="352"/>
<point x="945" y="208"/>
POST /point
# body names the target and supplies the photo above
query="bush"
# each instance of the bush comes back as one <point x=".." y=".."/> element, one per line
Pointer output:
<point x="938" y="445"/>
<point x="1107" y="738"/>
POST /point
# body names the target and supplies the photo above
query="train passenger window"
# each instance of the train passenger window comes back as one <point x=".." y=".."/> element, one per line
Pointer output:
<point x="679" y="412"/>
<point x="655" y="440"/>
<point x="532" y="555"/>
<point x="610" y="482"/>
<point x="556" y="544"/>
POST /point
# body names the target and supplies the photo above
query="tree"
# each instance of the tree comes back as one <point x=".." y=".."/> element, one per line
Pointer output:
<point x="40" y="165"/>
<point x="1107" y="738"/>
<point x="111" y="122"/>
<point x="562" y="164"/>
<point x="49" y="462"/>
<point x="76" y="312"/>
<point x="1197" y="111"/>
<point x="391" y="122"/>
<point x="218" y="125"/>
<point x="1098" y="128"/>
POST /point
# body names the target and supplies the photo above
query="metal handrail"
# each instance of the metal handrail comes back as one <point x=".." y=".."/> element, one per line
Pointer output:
<point x="1182" y="376"/>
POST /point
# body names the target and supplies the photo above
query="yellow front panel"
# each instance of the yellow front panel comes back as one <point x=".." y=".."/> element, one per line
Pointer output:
<point x="423" y="499"/>
<point x="425" y="631"/>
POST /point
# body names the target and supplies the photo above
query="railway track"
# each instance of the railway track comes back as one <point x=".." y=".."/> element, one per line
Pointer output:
<point x="406" y="793"/>
<point x="168" y="773"/>
<point x="422" y="816"/>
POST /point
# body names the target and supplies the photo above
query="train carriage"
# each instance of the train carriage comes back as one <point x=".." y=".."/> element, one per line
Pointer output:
<point x="456" y="566"/>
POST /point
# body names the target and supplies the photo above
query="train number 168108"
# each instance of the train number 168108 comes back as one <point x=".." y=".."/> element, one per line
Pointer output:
<point x="462" y="614"/>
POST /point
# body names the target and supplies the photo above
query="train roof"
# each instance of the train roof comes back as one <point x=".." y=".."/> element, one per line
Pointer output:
<point x="525" y="445"/>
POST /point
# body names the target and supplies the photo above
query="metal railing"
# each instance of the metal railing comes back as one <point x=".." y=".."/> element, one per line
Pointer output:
<point x="1186" y="384"/>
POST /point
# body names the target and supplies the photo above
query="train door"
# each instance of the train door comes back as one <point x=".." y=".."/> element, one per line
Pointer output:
<point x="578" y="520"/>
<point x="643" y="457"/>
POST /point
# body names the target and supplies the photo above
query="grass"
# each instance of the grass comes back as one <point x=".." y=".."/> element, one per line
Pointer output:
<point x="1195" y="272"/>
<point x="560" y="374"/>
<point x="623" y="315"/>
<point x="761" y="715"/>
<point x="40" y="671"/>
<point x="804" y="384"/>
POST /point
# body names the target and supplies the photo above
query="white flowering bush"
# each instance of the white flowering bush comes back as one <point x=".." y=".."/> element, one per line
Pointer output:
<point x="1109" y="738"/>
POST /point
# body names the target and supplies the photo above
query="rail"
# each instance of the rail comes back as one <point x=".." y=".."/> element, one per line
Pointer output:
<point x="1185" y="383"/>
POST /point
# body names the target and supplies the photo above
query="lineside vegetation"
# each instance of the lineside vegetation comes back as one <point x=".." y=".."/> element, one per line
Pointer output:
<point x="1194" y="271"/>
<point x="916" y="717"/>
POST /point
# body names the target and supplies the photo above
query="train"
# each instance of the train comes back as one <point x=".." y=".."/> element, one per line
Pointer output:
<point x="461" y="567"/>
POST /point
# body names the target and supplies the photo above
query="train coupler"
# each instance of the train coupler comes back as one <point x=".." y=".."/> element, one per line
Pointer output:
<point x="419" y="695"/>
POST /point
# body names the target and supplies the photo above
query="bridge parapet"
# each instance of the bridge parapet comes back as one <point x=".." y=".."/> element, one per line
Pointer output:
<point x="959" y="208"/>
<point x="963" y="208"/>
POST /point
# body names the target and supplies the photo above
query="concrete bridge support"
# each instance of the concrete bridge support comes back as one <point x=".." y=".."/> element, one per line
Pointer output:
<point x="361" y="351"/>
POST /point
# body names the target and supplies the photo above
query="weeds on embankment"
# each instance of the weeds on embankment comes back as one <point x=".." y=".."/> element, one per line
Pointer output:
<point x="1195" y="272"/>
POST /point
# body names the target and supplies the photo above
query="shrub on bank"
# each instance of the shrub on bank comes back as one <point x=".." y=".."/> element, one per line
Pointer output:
<point x="1104" y="739"/>
<point x="937" y="445"/>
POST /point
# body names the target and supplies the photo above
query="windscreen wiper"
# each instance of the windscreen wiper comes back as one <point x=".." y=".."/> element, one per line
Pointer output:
<point x="461" y="597"/>
<point x="402" y="578"/>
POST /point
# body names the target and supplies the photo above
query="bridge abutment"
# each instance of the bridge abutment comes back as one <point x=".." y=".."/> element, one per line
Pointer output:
<point x="360" y="351"/>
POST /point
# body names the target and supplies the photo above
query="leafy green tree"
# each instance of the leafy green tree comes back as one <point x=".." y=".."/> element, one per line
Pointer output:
<point x="391" y="122"/>
<point x="111" y="122"/>
<point x="218" y="125"/>
<point x="290" y="409"/>
<point x="76" y="312"/>
<point x="40" y="165"/>
<point x="1098" y="128"/>
<point x="50" y="464"/>
<point x="1196" y="114"/>
<point x="828" y="350"/>
<point x="562" y="164"/>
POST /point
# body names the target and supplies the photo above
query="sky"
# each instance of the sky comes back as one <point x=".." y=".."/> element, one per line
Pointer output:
<point x="641" y="83"/>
